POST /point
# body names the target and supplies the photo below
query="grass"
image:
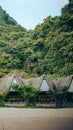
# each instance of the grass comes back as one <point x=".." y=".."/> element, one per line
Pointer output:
<point x="33" y="107"/>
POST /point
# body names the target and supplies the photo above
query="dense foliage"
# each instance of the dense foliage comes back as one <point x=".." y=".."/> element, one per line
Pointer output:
<point x="59" y="95"/>
<point x="46" y="49"/>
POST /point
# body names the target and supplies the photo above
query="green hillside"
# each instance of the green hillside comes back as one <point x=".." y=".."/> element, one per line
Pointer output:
<point x="46" y="49"/>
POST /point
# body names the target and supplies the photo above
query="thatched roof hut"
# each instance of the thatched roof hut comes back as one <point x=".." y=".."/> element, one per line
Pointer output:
<point x="6" y="82"/>
<point x="43" y="83"/>
<point x="65" y="82"/>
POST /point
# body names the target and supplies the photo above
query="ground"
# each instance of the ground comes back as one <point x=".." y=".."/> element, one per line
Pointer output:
<point x="36" y="119"/>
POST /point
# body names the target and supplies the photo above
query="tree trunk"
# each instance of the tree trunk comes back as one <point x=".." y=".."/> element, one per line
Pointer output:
<point x="27" y="102"/>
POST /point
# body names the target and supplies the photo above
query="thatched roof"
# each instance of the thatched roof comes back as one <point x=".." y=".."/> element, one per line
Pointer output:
<point x="6" y="82"/>
<point x="24" y="81"/>
<point x="36" y="82"/>
<point x="64" y="82"/>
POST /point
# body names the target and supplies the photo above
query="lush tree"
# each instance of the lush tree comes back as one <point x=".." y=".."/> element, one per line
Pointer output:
<point x="28" y="92"/>
<point x="58" y="95"/>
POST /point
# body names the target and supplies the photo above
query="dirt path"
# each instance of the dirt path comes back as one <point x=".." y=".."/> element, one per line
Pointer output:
<point x="36" y="119"/>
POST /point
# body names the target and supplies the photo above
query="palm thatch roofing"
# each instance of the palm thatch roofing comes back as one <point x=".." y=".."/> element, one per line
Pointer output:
<point x="6" y="82"/>
<point x="36" y="82"/>
<point x="64" y="82"/>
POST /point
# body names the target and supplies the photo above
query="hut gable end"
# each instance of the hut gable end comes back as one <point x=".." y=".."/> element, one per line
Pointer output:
<point x="44" y="85"/>
<point x="14" y="81"/>
<point x="71" y="86"/>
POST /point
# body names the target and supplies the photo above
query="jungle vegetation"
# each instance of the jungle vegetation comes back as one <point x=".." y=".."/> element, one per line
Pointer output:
<point x="47" y="49"/>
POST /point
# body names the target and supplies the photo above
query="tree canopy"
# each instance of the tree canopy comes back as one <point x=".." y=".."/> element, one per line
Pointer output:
<point x="46" y="49"/>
